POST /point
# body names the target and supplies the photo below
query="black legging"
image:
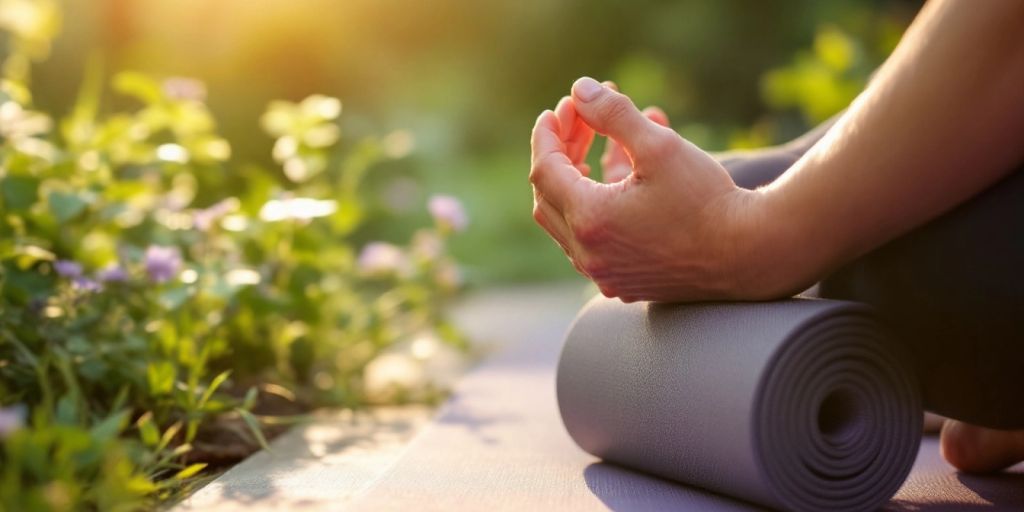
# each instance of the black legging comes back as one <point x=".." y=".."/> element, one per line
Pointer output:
<point x="952" y="290"/>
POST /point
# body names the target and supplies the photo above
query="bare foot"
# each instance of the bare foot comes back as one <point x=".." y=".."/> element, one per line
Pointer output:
<point x="932" y="423"/>
<point x="975" y="449"/>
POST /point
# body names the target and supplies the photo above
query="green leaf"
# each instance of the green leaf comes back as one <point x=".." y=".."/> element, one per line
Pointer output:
<point x="66" y="206"/>
<point x="250" y="398"/>
<point x="19" y="191"/>
<point x="834" y="48"/>
<point x="173" y="298"/>
<point x="109" y="428"/>
<point x="29" y="255"/>
<point x="348" y="216"/>
<point x="141" y="485"/>
<point x="139" y="86"/>
<point x="147" y="429"/>
<point x="254" y="427"/>
<point x="169" y="434"/>
<point x="181" y="449"/>
<point x="190" y="471"/>
<point x="67" y="410"/>
<point x="214" y="384"/>
<point x="160" y="377"/>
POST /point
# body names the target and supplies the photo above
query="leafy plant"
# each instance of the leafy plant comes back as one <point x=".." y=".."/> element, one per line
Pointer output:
<point x="161" y="304"/>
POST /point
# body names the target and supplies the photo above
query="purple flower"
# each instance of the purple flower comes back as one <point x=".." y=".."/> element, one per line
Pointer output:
<point x="162" y="263"/>
<point x="112" y="273"/>
<point x="448" y="212"/>
<point x="85" y="284"/>
<point x="11" y="419"/>
<point x="380" y="258"/>
<point x="68" y="268"/>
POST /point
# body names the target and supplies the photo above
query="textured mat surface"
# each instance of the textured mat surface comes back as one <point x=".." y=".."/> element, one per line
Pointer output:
<point x="795" y="404"/>
<point x="499" y="444"/>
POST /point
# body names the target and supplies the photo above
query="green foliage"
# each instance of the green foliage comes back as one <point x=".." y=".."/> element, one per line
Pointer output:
<point x="820" y="82"/>
<point x="153" y="290"/>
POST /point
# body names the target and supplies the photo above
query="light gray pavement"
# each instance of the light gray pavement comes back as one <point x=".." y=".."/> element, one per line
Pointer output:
<point x="325" y="464"/>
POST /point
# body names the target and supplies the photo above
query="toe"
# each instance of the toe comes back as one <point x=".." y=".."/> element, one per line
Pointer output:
<point x="974" y="449"/>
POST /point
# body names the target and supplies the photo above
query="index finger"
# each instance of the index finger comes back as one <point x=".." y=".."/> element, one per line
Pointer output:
<point x="552" y="172"/>
<point x="575" y="133"/>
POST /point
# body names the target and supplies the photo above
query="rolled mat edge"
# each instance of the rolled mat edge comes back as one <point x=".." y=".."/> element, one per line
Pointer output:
<point x="799" y="404"/>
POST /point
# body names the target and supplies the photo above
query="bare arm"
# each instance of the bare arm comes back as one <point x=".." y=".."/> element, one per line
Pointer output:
<point x="942" y="120"/>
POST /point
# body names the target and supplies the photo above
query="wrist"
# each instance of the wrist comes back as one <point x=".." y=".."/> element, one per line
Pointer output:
<point x="765" y="257"/>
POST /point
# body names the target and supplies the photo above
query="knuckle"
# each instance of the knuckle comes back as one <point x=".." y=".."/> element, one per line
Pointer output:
<point x="608" y="291"/>
<point x="588" y="234"/>
<point x="538" y="216"/>
<point x="590" y="230"/>
<point x="540" y="166"/>
<point x="616" y="108"/>
<point x="593" y="267"/>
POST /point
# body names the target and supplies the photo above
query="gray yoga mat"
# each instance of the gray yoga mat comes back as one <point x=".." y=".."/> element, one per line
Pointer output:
<point x="798" y="404"/>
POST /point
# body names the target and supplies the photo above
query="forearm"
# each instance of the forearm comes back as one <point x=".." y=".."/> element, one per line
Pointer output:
<point x="942" y="121"/>
<point x="751" y="169"/>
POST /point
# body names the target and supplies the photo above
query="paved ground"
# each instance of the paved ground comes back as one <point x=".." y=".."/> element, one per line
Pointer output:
<point x="498" y="444"/>
<point x="326" y="464"/>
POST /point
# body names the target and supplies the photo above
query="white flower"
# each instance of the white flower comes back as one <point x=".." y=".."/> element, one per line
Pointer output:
<point x="174" y="153"/>
<point x="242" y="277"/>
<point x="297" y="208"/>
<point x="380" y="258"/>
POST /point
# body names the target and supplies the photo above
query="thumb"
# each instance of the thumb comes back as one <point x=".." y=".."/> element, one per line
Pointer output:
<point x="613" y="114"/>
<point x="615" y="161"/>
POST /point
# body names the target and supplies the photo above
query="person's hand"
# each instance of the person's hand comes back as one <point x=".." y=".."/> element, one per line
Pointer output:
<point x="668" y="225"/>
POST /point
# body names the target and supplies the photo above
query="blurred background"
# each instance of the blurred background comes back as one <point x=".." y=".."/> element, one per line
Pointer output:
<point x="466" y="79"/>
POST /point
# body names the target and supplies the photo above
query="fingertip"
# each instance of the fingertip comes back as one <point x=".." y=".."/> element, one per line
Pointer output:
<point x="544" y="138"/>
<point x="586" y="89"/>
<point x="566" y="114"/>
<point x="563" y="103"/>
<point x="611" y="85"/>
<point x="544" y="116"/>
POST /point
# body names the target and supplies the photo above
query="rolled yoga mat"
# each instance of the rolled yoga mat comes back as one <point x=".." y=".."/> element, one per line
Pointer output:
<point x="799" y="404"/>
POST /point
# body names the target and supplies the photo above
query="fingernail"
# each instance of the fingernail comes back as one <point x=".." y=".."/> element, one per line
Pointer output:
<point x="587" y="89"/>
